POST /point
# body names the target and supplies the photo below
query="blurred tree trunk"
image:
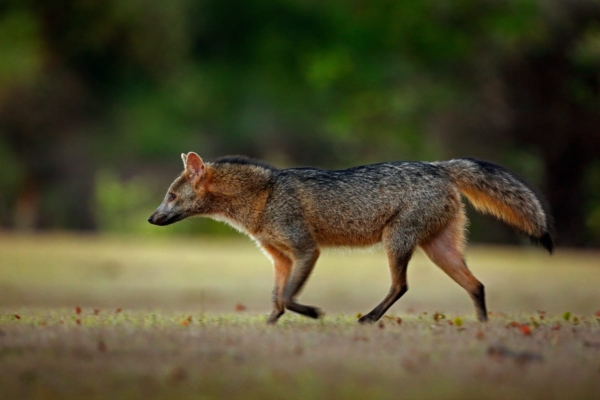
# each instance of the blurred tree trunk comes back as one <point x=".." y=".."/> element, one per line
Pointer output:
<point x="542" y="101"/>
<point x="52" y="149"/>
<point x="554" y="91"/>
<point x="565" y="185"/>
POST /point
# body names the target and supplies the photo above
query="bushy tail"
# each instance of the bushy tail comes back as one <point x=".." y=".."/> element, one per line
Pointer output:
<point x="494" y="190"/>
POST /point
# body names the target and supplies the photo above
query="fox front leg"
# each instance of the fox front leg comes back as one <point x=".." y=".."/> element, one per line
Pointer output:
<point x="290" y="276"/>
<point x="302" y="267"/>
<point x="282" y="267"/>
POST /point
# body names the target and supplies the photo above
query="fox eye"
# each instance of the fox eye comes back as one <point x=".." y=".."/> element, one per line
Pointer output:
<point x="172" y="196"/>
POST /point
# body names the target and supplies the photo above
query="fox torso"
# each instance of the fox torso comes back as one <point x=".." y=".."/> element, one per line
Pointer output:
<point x="351" y="207"/>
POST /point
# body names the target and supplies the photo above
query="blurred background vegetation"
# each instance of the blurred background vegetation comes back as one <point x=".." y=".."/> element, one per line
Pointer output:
<point x="99" y="98"/>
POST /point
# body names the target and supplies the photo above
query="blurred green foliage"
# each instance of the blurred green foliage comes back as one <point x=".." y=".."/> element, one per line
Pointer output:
<point x="98" y="98"/>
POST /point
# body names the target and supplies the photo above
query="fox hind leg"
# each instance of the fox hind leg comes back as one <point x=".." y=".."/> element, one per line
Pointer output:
<point x="446" y="251"/>
<point x="399" y="246"/>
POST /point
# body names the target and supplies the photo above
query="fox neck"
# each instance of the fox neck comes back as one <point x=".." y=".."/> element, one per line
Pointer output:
<point x="242" y="213"/>
<point x="239" y="200"/>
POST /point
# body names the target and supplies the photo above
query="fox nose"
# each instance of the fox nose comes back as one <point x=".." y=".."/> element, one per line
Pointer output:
<point x="150" y="218"/>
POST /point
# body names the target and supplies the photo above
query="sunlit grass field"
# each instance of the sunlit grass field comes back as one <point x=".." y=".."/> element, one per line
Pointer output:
<point x="126" y="317"/>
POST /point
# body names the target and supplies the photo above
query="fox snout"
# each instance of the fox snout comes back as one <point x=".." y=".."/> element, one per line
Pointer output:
<point x="152" y="218"/>
<point x="162" y="219"/>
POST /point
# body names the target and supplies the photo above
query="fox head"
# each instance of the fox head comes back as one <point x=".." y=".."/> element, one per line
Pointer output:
<point x="184" y="197"/>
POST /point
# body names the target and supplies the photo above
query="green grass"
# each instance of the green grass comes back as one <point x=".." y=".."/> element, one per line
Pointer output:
<point x="158" y="320"/>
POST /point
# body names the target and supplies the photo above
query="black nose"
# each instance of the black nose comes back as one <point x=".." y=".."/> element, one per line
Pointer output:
<point x="150" y="219"/>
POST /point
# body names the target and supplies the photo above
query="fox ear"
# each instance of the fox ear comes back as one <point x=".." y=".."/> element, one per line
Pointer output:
<point x="184" y="158"/>
<point x="194" y="166"/>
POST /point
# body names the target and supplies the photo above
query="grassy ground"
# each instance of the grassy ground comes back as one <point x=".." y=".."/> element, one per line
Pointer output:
<point x="97" y="317"/>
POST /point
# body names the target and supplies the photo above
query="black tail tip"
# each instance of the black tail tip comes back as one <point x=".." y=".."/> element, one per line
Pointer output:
<point x="545" y="241"/>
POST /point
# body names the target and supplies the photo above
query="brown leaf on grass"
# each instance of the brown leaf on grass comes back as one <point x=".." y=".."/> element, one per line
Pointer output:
<point x="16" y="316"/>
<point x="239" y="307"/>
<point x="381" y="325"/>
<point x="78" y="321"/>
<point x="479" y="335"/>
<point x="526" y="330"/>
<point x="78" y="310"/>
<point x="398" y="320"/>
<point x="118" y="310"/>
<point x="597" y="314"/>
<point x="542" y="314"/>
<point x="96" y="311"/>
<point x="438" y="316"/>
<point x="556" y="327"/>
<point x="189" y="318"/>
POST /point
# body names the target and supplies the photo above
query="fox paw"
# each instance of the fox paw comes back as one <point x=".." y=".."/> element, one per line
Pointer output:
<point x="314" y="312"/>
<point x="368" y="319"/>
<point x="274" y="317"/>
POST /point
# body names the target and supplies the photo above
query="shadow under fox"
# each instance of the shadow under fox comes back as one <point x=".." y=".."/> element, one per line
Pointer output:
<point x="294" y="212"/>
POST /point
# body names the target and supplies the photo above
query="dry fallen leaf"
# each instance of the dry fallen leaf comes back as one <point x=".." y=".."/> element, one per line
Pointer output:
<point x="526" y="330"/>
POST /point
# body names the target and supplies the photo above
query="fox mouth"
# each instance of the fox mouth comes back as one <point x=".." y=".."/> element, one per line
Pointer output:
<point x="164" y="219"/>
